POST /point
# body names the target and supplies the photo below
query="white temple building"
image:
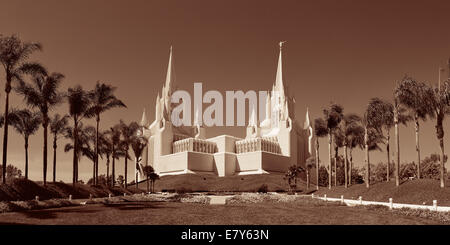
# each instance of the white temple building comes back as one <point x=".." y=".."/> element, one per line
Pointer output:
<point x="270" y="146"/>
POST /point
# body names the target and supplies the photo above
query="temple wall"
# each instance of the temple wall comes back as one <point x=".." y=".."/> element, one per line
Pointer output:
<point x="225" y="143"/>
<point x="225" y="164"/>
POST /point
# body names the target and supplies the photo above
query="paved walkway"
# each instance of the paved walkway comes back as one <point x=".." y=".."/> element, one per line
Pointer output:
<point x="218" y="200"/>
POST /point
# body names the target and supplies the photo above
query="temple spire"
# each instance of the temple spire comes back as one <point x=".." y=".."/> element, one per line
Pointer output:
<point x="279" y="83"/>
<point x="144" y="121"/>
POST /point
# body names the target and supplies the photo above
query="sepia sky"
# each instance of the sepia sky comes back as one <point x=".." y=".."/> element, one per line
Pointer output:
<point x="342" y="51"/>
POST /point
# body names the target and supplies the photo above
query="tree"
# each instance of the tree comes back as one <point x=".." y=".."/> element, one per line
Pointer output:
<point x="26" y="123"/>
<point x="310" y="162"/>
<point x="78" y="105"/>
<point x="116" y="149"/>
<point x="355" y="139"/>
<point x="332" y="116"/>
<point x="291" y="175"/>
<point x="128" y="132"/>
<point x="13" y="56"/>
<point x="83" y="139"/>
<point x="105" y="144"/>
<point x="58" y="126"/>
<point x="148" y="170"/>
<point x="320" y="130"/>
<point x="102" y="99"/>
<point x="400" y="116"/>
<point x="43" y="94"/>
<point x="372" y="135"/>
<point x="439" y="100"/>
<point x="153" y="177"/>
<point x="11" y="172"/>
<point x="138" y="143"/>
<point x="348" y="129"/>
<point x="120" y="180"/>
<point x="412" y="94"/>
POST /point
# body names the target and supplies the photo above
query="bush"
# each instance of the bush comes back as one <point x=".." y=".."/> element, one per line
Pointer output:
<point x="183" y="190"/>
<point x="263" y="188"/>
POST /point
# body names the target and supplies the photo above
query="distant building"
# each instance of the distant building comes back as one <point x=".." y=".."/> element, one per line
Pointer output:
<point x="272" y="145"/>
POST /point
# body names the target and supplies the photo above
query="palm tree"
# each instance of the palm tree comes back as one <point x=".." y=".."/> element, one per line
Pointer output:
<point x="291" y="175"/>
<point x="439" y="99"/>
<point x="128" y="132"/>
<point x="106" y="147"/>
<point x="148" y="171"/>
<point x="347" y="129"/>
<point x="411" y="94"/>
<point x="310" y="162"/>
<point x="354" y="139"/>
<point x="138" y="144"/>
<point x="83" y="138"/>
<point x="153" y="177"/>
<point x="42" y="94"/>
<point x="102" y="99"/>
<point x="320" y="130"/>
<point x="338" y="140"/>
<point x="332" y="116"/>
<point x="58" y="126"/>
<point x="116" y="149"/>
<point x="78" y="105"/>
<point x="372" y="134"/>
<point x="25" y="123"/>
<point x="13" y="56"/>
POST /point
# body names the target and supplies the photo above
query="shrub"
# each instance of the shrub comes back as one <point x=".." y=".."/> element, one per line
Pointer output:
<point x="263" y="188"/>
<point x="183" y="190"/>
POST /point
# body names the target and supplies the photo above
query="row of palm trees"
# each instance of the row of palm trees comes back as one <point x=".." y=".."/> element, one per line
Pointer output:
<point x="40" y="91"/>
<point x="413" y="101"/>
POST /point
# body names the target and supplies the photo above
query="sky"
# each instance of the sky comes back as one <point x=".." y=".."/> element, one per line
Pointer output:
<point x="336" y="51"/>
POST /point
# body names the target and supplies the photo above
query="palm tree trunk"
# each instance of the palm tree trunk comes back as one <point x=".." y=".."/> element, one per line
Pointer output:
<point x="126" y="168"/>
<point x="54" y="158"/>
<point x="113" y="170"/>
<point x="317" y="163"/>
<point x="366" y="143"/>
<point x="440" y="136"/>
<point x="96" y="150"/>
<point x="336" y="152"/>
<point x="26" y="157"/>
<point x="307" y="178"/>
<point x="5" y="130"/>
<point x="75" y="149"/>
<point x="442" y="174"/>
<point x="45" y="148"/>
<point x="345" y="167"/>
<point x="107" y="170"/>
<point x="329" y="159"/>
<point x="388" y="167"/>
<point x="148" y="187"/>
<point x="416" y="121"/>
<point x="397" y="148"/>
<point x="351" y="167"/>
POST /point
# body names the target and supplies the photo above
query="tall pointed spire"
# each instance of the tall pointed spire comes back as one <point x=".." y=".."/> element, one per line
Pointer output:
<point x="279" y="85"/>
<point x="158" y="108"/>
<point x="144" y="121"/>
<point x="253" y="121"/>
<point x="307" y="120"/>
<point x="169" y="76"/>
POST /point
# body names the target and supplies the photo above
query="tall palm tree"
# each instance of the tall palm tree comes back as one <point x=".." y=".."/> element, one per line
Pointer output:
<point x="58" y="126"/>
<point x="116" y="149"/>
<point x="347" y="129"/>
<point x="339" y="141"/>
<point x="78" y="105"/>
<point x="13" y="56"/>
<point x="411" y="94"/>
<point x="320" y="130"/>
<point x="102" y="99"/>
<point x="128" y="132"/>
<point x="42" y="93"/>
<point x="26" y="123"/>
<point x="332" y="116"/>
<point x="439" y="99"/>
<point x="148" y="171"/>
<point x="354" y="139"/>
<point x="82" y="139"/>
<point x="372" y="134"/>
<point x="105" y="147"/>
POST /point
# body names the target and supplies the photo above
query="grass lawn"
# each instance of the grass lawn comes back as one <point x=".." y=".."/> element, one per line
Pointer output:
<point x="155" y="213"/>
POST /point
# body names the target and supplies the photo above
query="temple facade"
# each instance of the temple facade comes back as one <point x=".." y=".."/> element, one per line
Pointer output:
<point x="272" y="145"/>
